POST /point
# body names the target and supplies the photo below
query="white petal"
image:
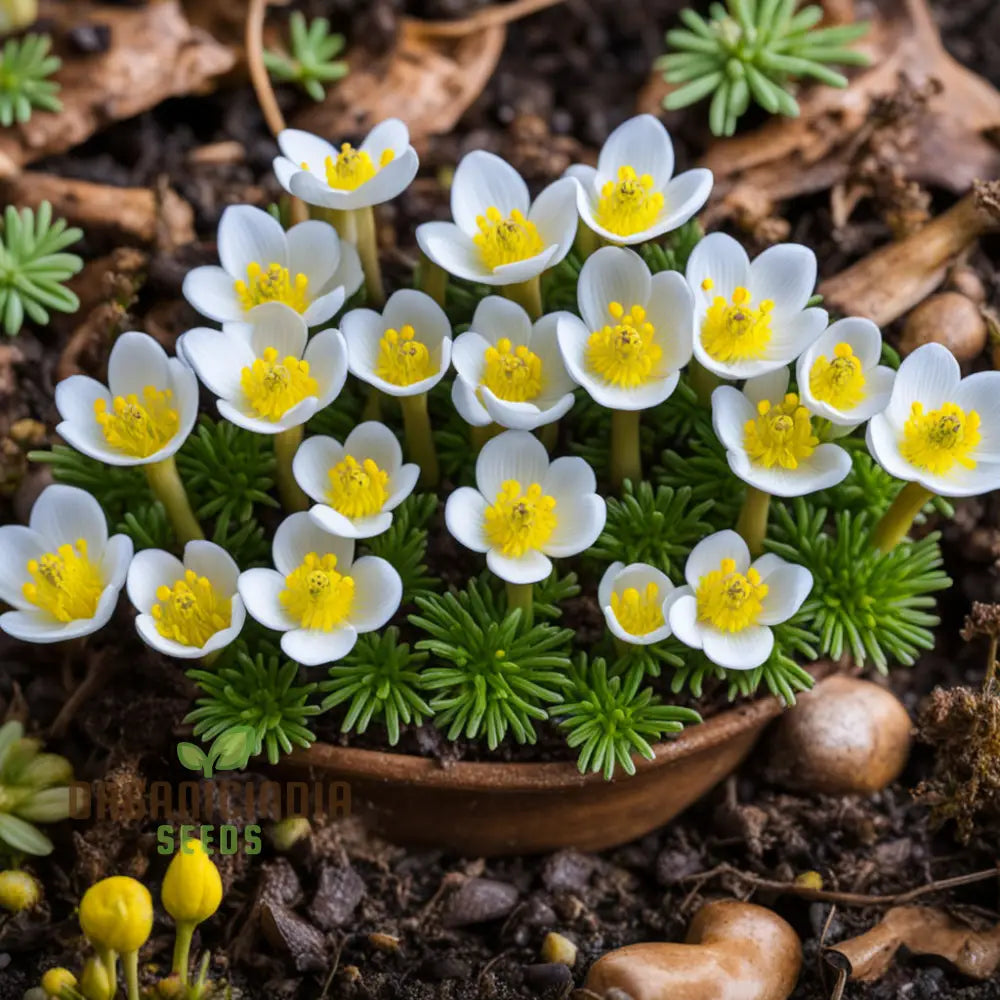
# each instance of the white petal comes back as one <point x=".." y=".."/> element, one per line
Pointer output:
<point x="429" y="321"/>
<point x="75" y="399"/>
<point x="730" y="412"/>
<point x="214" y="563"/>
<point x="793" y="333"/>
<point x="495" y="318"/>
<point x="401" y="484"/>
<point x="375" y="441"/>
<point x="298" y="535"/>
<point x="312" y="648"/>
<point x="681" y="609"/>
<point x="524" y="416"/>
<point x="770" y="388"/>
<point x="671" y="311"/>
<point x="63" y="514"/>
<point x="554" y="213"/>
<point x="981" y="392"/>
<point x="544" y="341"/>
<point x="312" y="463"/>
<point x="115" y="561"/>
<point x="515" y="455"/>
<point x="332" y="521"/>
<point x="348" y="274"/>
<point x="828" y="465"/>
<point x="249" y="235"/>
<point x="315" y="191"/>
<point x="683" y="197"/>
<point x="210" y="291"/>
<point x="607" y="585"/>
<point x="643" y="397"/>
<point x="573" y="335"/>
<point x="261" y="590"/>
<point x="218" y="359"/>
<point x="639" y="576"/>
<point x="223" y="638"/>
<point x="464" y="516"/>
<point x="313" y="250"/>
<point x="862" y="334"/>
<point x="362" y="330"/>
<point x="585" y="177"/>
<point x="18" y="546"/>
<point x="378" y="592"/>
<point x="707" y="556"/>
<point x="743" y="650"/>
<point x="304" y="147"/>
<point x="276" y="325"/>
<point x="449" y="247"/>
<point x="569" y="476"/>
<point x="532" y="567"/>
<point x="788" y="587"/>
<point x="483" y="180"/>
<point x="391" y="180"/>
<point x="734" y="370"/>
<point x="580" y="523"/>
<point x="391" y="133"/>
<point x="930" y="375"/>
<point x="36" y="626"/>
<point x="285" y="170"/>
<point x="136" y="361"/>
<point x="883" y="444"/>
<point x="523" y="270"/>
<point x="721" y="259"/>
<point x="242" y="414"/>
<point x="150" y="570"/>
<point x="327" y="356"/>
<point x="468" y="404"/>
<point x="468" y="354"/>
<point x="784" y="274"/>
<point x="611" y="274"/>
<point x="641" y="143"/>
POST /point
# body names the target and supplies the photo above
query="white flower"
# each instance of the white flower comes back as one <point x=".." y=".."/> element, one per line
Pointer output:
<point x="752" y="318"/>
<point x="839" y="375"/>
<point x="347" y="178"/>
<point x="357" y="484"/>
<point x="61" y="574"/>
<point x="633" y="196"/>
<point x="186" y="609"/>
<point x="318" y="596"/>
<point x="499" y="236"/>
<point x="634" y="600"/>
<point x="940" y="430"/>
<point x="144" y="415"/>
<point x="728" y="605"/>
<point x="636" y="331"/>
<point x="769" y="438"/>
<point x="404" y="350"/>
<point x="510" y="372"/>
<point x="267" y="376"/>
<point x="307" y="269"/>
<point x="525" y="509"/>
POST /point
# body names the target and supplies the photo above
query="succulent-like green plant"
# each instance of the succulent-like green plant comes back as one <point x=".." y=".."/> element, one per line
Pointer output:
<point x="312" y="62"/>
<point x="33" y="266"/>
<point x="34" y="788"/>
<point x="752" y="50"/>
<point x="25" y="67"/>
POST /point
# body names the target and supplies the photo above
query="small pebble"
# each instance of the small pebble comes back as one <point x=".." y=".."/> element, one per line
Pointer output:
<point x="384" y="942"/>
<point x="479" y="900"/>
<point x="557" y="948"/>
<point x="340" y="891"/>
<point x="89" y="38"/>
<point x="550" y="977"/>
<point x="568" y="871"/>
<point x="448" y="967"/>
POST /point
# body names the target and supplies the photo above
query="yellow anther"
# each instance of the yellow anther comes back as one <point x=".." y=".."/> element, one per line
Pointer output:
<point x="402" y="359"/>
<point x="736" y="331"/>
<point x="781" y="434"/>
<point x="191" y="611"/>
<point x="519" y="522"/>
<point x="275" y="284"/>
<point x="729" y="600"/>
<point x="138" y="428"/>
<point x="638" y="613"/>
<point x="629" y="205"/>
<point x="939" y="440"/>
<point x="512" y="373"/>
<point x="316" y="595"/>
<point x="65" y="583"/>
<point x="506" y="240"/>
<point x="358" y="489"/>
<point x="273" y="387"/>
<point x="626" y="353"/>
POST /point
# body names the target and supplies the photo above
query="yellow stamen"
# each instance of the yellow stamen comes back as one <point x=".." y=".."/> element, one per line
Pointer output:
<point x="353" y="167"/>
<point x="737" y="331"/>
<point x="316" y="595"/>
<point x="840" y="381"/>
<point x="707" y="285"/>
<point x="65" y="583"/>
<point x="520" y="522"/>
<point x="629" y="205"/>
<point x="729" y="600"/>
<point x="273" y="387"/>
<point x="273" y="285"/>
<point x="191" y="611"/>
<point x="506" y="240"/>
<point x="403" y="360"/>
<point x="939" y="440"/>
<point x="138" y="429"/>
<point x="638" y="613"/>
<point x="512" y="373"/>
<point x="357" y="489"/>
<point x="781" y="434"/>
<point x="626" y="353"/>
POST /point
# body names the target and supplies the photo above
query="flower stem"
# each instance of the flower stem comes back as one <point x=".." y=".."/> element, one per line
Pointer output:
<point x="433" y="279"/>
<point x="165" y="482"/>
<point x="625" y="460"/>
<point x="521" y="595"/>
<point x="527" y="294"/>
<point x="898" y="519"/>
<point x="373" y="404"/>
<point x="286" y="444"/>
<point x="752" y="522"/>
<point x="549" y="436"/>
<point x="130" y="963"/>
<point x="702" y="381"/>
<point x="586" y="242"/>
<point x="367" y="237"/>
<point x="478" y="436"/>
<point x="182" y="949"/>
<point x="420" y="438"/>
<point x="109" y="959"/>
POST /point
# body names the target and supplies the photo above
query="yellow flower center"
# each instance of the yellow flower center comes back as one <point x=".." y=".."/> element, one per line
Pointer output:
<point x="629" y="205"/>
<point x="357" y="489"/>
<point x="191" y="611"/>
<point x="736" y="331"/>
<point x="352" y="167"/>
<point x="781" y="434"/>
<point x="512" y="373"/>
<point x="273" y="387"/>
<point x="625" y="354"/>
<point x="839" y="381"/>
<point x="402" y="359"/>
<point x="273" y="285"/>
<point x="138" y="429"/>
<point x="520" y="522"/>
<point x="316" y="595"/>
<point x="729" y="600"/>
<point x="638" y="613"/>
<point x="65" y="583"/>
<point x="936" y="441"/>
<point x="506" y="241"/>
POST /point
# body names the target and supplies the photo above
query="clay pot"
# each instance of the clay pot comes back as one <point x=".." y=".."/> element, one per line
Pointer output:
<point x="486" y="809"/>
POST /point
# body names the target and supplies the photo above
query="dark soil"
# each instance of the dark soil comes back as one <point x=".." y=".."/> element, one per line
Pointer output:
<point x="340" y="915"/>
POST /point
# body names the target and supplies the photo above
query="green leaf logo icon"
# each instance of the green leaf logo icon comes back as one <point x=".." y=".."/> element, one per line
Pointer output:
<point x="192" y="757"/>
<point x="233" y="748"/>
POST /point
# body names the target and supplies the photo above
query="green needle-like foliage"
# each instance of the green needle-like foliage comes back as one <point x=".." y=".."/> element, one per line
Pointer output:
<point x="380" y="679"/>
<point x="657" y="527"/>
<point x="752" y="50"/>
<point x="312" y="62"/>
<point x="491" y="674"/>
<point x="549" y="595"/>
<point x="404" y="545"/>
<point x="610" y="719"/>
<point x="258" y="691"/>
<point x="25" y="67"/>
<point x="33" y="266"/>
<point x="864" y="602"/>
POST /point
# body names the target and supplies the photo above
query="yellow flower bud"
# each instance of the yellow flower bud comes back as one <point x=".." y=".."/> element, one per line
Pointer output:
<point x="19" y="891"/>
<point x="56" y="980"/>
<point x="15" y="14"/>
<point x="117" y="913"/>
<point x="95" y="983"/>
<point x="192" y="887"/>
